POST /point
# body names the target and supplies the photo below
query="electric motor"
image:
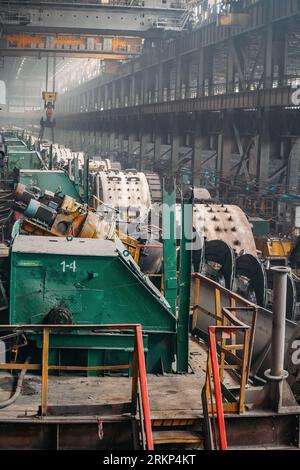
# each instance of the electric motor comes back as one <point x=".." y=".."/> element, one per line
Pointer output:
<point x="36" y="210"/>
<point x="22" y="194"/>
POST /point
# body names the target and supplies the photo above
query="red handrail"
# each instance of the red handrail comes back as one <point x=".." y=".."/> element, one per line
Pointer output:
<point x="239" y="355"/>
<point x="144" y="387"/>
<point x="217" y="387"/>
<point x="139" y="374"/>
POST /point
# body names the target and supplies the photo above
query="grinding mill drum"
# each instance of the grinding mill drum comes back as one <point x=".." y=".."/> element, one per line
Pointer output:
<point x="227" y="223"/>
<point x="127" y="190"/>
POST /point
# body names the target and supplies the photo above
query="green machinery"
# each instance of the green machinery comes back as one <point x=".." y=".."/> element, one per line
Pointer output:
<point x="59" y="181"/>
<point x="88" y="281"/>
<point x="18" y="156"/>
<point x="14" y="142"/>
<point x="91" y="281"/>
<point x="51" y="180"/>
<point x="32" y="171"/>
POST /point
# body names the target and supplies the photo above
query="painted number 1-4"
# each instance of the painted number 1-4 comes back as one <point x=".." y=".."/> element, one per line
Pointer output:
<point x="69" y="267"/>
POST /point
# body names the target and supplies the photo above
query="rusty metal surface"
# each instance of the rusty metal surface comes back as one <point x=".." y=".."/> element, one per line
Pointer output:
<point x="253" y="431"/>
<point x="63" y="436"/>
<point x="263" y="431"/>
<point x="173" y="398"/>
<point x="89" y="409"/>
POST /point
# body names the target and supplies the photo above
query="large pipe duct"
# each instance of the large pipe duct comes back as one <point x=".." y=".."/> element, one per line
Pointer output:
<point x="277" y="393"/>
<point x="279" y="317"/>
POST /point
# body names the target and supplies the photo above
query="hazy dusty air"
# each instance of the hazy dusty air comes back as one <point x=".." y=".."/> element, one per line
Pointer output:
<point x="149" y="229"/>
<point x="2" y="93"/>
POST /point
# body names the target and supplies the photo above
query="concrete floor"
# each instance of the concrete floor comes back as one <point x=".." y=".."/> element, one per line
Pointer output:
<point x="171" y="396"/>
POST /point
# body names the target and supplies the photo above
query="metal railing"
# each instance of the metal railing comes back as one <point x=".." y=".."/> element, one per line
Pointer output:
<point x="139" y="394"/>
<point x="222" y="297"/>
<point x="235" y="356"/>
<point x="226" y="309"/>
<point x="212" y="399"/>
<point x="230" y="346"/>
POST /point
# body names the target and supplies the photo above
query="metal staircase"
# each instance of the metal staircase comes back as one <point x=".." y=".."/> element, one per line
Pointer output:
<point x="230" y="345"/>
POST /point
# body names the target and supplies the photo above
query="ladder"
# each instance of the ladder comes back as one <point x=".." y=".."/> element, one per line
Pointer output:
<point x="230" y="346"/>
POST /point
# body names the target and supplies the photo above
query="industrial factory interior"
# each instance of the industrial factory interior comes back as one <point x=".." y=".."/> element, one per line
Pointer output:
<point x="150" y="228"/>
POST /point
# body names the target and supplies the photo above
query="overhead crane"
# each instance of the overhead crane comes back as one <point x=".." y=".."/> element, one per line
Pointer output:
<point x="147" y="17"/>
<point x="105" y="29"/>
<point x="80" y="46"/>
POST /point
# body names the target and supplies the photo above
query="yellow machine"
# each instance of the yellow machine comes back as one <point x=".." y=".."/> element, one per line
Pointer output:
<point x="271" y="248"/>
<point x="50" y="99"/>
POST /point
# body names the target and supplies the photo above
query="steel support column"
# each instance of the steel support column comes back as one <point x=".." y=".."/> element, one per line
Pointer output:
<point x="254" y="156"/>
<point x="160" y="82"/>
<point x="178" y="78"/>
<point x="226" y="145"/>
<point x="132" y="90"/>
<point x="200" y="77"/>
<point x="121" y="145"/>
<point x="111" y="144"/>
<point x="157" y="146"/>
<point x="131" y="139"/>
<point x="143" y="156"/>
<point x="185" y="284"/>
<point x="268" y="65"/>
<point x="230" y="68"/>
<point x="264" y="149"/>
<point x="175" y="143"/>
<point x="198" y="146"/>
<point x="103" y="143"/>
<point x="113" y="94"/>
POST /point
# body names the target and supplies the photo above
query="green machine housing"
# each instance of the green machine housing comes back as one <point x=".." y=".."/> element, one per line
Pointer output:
<point x="14" y="142"/>
<point x="51" y="180"/>
<point x="32" y="171"/>
<point x="18" y="156"/>
<point x="96" y="282"/>
<point x="21" y="158"/>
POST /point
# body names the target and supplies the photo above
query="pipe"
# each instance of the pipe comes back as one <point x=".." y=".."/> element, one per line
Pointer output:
<point x="279" y="317"/>
<point x="15" y="396"/>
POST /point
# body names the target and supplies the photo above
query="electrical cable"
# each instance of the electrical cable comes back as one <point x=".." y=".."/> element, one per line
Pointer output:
<point x="15" y="396"/>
